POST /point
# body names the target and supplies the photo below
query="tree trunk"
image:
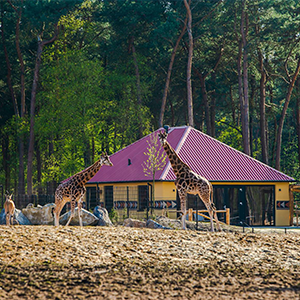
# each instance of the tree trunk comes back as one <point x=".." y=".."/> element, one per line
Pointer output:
<point x="41" y="45"/>
<point x="20" y="137"/>
<point x="138" y="86"/>
<point x="51" y="185"/>
<point x="189" y="66"/>
<point x="282" y="117"/>
<point x="262" y="103"/>
<point x="251" y="109"/>
<point x="298" y="116"/>
<point x="205" y="101"/>
<point x="39" y="169"/>
<point x="32" y="117"/>
<point x="213" y="106"/>
<point x="9" y="82"/>
<point x="245" y="102"/>
<point x="233" y="108"/>
<point x="167" y="84"/>
<point x="5" y="159"/>
<point x="240" y="81"/>
<point x="262" y="108"/>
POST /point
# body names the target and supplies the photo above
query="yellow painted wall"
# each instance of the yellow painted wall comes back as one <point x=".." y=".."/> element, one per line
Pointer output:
<point x="282" y="217"/>
<point x="167" y="191"/>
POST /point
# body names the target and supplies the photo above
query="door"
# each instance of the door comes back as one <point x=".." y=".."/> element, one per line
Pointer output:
<point x="91" y="198"/>
<point x="242" y="205"/>
<point x="109" y="197"/>
<point x="143" y="197"/>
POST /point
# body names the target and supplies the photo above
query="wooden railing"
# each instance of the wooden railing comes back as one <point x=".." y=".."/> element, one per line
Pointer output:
<point x="226" y="211"/>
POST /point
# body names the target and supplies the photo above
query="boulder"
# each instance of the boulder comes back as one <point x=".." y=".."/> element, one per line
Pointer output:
<point x="154" y="225"/>
<point x="88" y="219"/>
<point x="19" y="218"/>
<point x="167" y="222"/>
<point x="134" y="223"/>
<point x="40" y="215"/>
<point x="102" y="214"/>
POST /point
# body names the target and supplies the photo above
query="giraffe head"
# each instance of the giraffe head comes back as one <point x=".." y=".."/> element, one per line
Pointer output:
<point x="105" y="160"/>
<point x="162" y="137"/>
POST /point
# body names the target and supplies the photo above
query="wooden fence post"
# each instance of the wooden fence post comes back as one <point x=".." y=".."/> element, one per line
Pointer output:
<point x="228" y="216"/>
<point x="190" y="214"/>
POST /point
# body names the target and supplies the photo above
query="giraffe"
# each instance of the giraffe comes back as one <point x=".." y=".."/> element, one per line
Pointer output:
<point x="188" y="182"/>
<point x="73" y="189"/>
<point x="9" y="208"/>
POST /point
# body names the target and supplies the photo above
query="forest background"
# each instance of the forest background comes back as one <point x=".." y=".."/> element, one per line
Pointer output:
<point x="81" y="77"/>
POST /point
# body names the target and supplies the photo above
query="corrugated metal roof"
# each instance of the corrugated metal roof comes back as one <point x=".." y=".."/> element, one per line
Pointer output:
<point x="205" y="155"/>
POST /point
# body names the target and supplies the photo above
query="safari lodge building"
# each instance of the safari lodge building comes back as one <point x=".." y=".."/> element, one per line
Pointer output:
<point x="255" y="193"/>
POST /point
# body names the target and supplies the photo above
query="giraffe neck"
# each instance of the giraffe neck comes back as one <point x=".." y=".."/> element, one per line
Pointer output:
<point x="85" y="175"/>
<point x="177" y="164"/>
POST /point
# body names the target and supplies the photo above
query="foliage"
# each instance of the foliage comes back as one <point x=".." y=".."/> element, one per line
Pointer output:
<point x="156" y="157"/>
<point x="113" y="215"/>
<point x="156" y="160"/>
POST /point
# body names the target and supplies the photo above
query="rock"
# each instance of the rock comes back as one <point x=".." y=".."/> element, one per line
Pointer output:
<point x="167" y="222"/>
<point x="154" y="225"/>
<point x="88" y="219"/>
<point x="19" y="218"/>
<point x="102" y="214"/>
<point x="134" y="223"/>
<point x="40" y="215"/>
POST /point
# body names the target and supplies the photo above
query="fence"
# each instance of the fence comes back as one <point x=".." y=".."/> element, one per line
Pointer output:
<point x="21" y="201"/>
<point x="191" y="212"/>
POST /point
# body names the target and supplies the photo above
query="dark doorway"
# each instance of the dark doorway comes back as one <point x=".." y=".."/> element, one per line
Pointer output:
<point x="143" y="197"/>
<point x="249" y="205"/>
<point x="109" y="197"/>
<point x="91" y="198"/>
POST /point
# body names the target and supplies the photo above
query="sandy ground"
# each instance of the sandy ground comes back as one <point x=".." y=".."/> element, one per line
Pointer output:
<point x="44" y="262"/>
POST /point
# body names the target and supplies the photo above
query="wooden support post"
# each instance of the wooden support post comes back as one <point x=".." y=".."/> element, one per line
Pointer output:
<point x="190" y="211"/>
<point x="291" y="216"/>
<point x="228" y="216"/>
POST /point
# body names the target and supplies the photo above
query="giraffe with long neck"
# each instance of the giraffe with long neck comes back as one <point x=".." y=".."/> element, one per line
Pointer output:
<point x="189" y="182"/>
<point x="73" y="189"/>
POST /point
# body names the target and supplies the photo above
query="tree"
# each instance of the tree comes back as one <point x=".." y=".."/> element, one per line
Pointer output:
<point x="189" y="65"/>
<point x="292" y="80"/>
<point x="41" y="45"/>
<point x="168" y="79"/>
<point x="242" y="68"/>
<point x="156" y="160"/>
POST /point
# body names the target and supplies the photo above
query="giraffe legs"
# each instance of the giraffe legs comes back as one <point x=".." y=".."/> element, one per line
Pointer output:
<point x="216" y="218"/>
<point x="182" y="196"/>
<point x="72" y="214"/>
<point x="73" y="202"/>
<point x="56" y="212"/>
<point x="213" y="207"/>
<point x="212" y="214"/>
<point x="79" y="212"/>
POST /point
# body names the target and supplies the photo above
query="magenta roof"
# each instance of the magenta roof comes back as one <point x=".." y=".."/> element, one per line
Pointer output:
<point x="205" y="155"/>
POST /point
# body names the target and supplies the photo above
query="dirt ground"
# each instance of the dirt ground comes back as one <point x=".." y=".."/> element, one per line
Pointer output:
<point x="44" y="262"/>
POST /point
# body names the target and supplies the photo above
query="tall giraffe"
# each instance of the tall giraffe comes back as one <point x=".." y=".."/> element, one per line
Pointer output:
<point x="73" y="189"/>
<point x="188" y="182"/>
